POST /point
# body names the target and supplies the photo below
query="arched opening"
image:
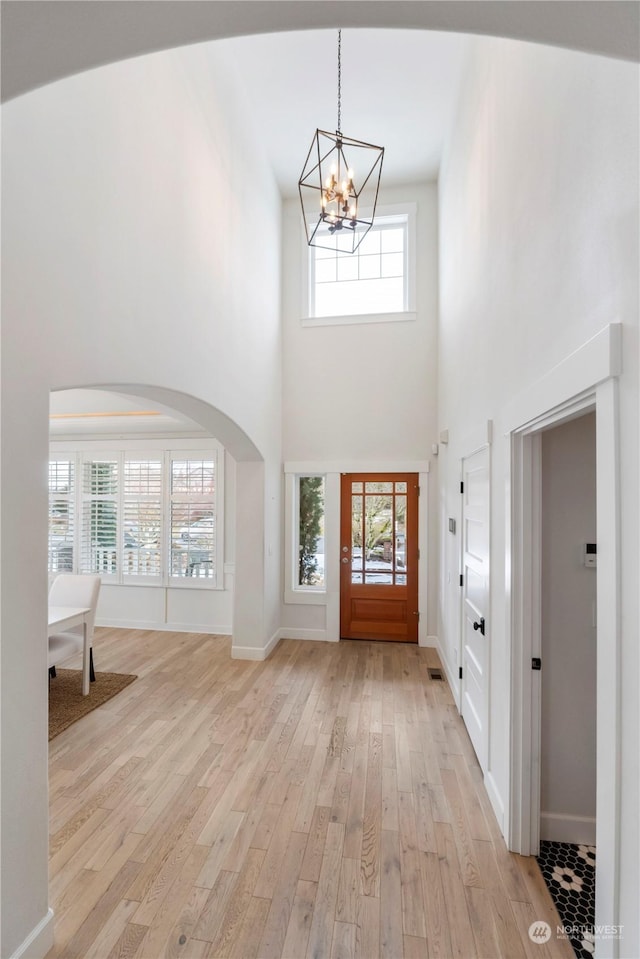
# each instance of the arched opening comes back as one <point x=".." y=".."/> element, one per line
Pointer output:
<point x="165" y="553"/>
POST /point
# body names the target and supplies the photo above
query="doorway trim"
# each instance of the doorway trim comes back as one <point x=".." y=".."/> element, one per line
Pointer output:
<point x="591" y="373"/>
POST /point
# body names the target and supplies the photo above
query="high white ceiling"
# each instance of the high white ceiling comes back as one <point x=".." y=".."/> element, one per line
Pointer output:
<point x="399" y="90"/>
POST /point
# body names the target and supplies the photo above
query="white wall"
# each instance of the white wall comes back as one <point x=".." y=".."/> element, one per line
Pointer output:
<point x="141" y="245"/>
<point x="539" y="251"/>
<point x="364" y="393"/>
<point x="568" y="728"/>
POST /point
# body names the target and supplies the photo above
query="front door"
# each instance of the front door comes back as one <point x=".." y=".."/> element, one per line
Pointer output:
<point x="379" y="556"/>
<point x="475" y="598"/>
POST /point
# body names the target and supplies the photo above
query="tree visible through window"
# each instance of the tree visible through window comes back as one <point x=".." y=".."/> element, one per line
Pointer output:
<point x="310" y="531"/>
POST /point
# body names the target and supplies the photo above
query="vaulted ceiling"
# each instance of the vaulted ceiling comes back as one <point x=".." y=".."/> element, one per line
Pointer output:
<point x="44" y="41"/>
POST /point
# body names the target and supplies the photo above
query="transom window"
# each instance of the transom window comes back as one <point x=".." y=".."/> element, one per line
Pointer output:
<point x="373" y="280"/>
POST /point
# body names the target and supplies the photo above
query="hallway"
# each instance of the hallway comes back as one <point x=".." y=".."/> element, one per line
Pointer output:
<point x="323" y="803"/>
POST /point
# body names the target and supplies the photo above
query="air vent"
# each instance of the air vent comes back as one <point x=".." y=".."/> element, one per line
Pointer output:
<point x="435" y="674"/>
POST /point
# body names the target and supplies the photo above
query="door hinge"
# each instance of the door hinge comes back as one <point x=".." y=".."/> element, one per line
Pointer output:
<point x="536" y="663"/>
<point x="417" y="490"/>
<point x="460" y="672"/>
<point x="461" y="579"/>
<point x="418" y="554"/>
<point x="461" y="487"/>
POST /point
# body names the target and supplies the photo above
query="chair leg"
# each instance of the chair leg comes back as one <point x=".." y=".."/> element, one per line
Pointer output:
<point x="92" y="674"/>
<point x="52" y="672"/>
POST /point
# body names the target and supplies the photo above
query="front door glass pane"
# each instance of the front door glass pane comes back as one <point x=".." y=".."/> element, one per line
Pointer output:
<point x="356" y="537"/>
<point x="378" y="487"/>
<point x="378" y="533"/>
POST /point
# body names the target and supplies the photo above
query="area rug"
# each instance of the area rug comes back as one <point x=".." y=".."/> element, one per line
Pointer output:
<point x="66" y="702"/>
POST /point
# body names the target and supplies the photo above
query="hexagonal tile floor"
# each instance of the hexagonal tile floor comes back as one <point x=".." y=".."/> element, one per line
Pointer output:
<point x="570" y="873"/>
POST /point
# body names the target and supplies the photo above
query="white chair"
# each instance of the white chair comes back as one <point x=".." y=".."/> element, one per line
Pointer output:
<point x="69" y="589"/>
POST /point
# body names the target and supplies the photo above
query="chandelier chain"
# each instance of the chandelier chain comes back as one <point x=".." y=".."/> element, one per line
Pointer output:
<point x="339" y="80"/>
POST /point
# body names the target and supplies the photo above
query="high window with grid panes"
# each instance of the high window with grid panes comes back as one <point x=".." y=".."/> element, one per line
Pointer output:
<point x="137" y="517"/>
<point x="373" y="280"/>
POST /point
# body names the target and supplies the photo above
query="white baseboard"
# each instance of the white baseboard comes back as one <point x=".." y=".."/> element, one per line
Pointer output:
<point x="316" y="635"/>
<point x="39" y="941"/>
<point x="558" y="827"/>
<point x="495" y="799"/>
<point x="254" y="653"/>
<point x="454" y="682"/>
<point x="429" y="642"/>
<point x="166" y="627"/>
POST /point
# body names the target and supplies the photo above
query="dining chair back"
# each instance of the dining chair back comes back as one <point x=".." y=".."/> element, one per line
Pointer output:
<point x="71" y="589"/>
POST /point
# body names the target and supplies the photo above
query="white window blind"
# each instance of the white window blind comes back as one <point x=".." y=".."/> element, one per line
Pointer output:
<point x="99" y="530"/>
<point x="192" y="508"/>
<point x="142" y="517"/>
<point x="61" y="515"/>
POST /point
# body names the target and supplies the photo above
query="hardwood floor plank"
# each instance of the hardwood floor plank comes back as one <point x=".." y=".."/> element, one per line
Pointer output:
<point x="128" y="943"/>
<point x="237" y="905"/>
<point x="348" y="891"/>
<point x="435" y="910"/>
<point x="459" y="923"/>
<point x="321" y="931"/>
<point x="414" y="948"/>
<point x="214" y="907"/>
<point x="344" y="940"/>
<point x="299" y="927"/>
<point x="246" y="942"/>
<point x="410" y="873"/>
<point x="281" y="903"/>
<point x="160" y="910"/>
<point x="460" y="829"/>
<point x="372" y="820"/>
<point x="279" y="844"/>
<point x="340" y="804"/>
<point x="227" y="831"/>
<point x="315" y="845"/>
<point x="507" y="931"/>
<point x="391" y="895"/>
<point x="526" y="915"/>
<point x="367" y="928"/>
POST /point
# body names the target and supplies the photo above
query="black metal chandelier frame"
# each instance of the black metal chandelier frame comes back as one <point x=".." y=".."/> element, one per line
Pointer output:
<point x="335" y="205"/>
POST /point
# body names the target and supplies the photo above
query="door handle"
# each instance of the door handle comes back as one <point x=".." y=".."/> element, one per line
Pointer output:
<point x="480" y="625"/>
<point x="345" y="559"/>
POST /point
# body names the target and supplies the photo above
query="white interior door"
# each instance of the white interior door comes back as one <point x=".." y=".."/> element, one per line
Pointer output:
<point x="475" y="599"/>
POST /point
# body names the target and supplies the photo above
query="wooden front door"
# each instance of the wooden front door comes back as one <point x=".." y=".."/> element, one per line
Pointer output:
<point x="379" y="556"/>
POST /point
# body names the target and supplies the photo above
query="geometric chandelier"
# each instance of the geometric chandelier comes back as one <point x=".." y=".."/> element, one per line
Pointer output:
<point x="339" y="185"/>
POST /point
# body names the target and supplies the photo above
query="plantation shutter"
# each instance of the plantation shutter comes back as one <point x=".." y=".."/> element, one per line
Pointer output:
<point x="142" y="517"/>
<point x="61" y="515"/>
<point x="193" y="527"/>
<point x="99" y="533"/>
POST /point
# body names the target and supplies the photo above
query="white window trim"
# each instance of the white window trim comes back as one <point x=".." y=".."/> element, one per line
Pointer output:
<point x="81" y="450"/>
<point x="410" y="314"/>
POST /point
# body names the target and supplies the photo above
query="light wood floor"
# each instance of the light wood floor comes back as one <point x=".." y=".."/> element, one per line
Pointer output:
<point x="325" y="803"/>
